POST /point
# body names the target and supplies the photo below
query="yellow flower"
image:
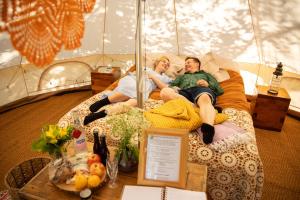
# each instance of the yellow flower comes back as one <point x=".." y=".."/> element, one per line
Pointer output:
<point x="53" y="141"/>
<point x="63" y="132"/>
<point x="51" y="135"/>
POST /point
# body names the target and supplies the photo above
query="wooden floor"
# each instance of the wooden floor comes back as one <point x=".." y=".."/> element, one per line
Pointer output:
<point x="280" y="152"/>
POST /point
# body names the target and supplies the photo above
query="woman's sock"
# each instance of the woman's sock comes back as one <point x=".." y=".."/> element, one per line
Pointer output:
<point x="208" y="133"/>
<point x="93" y="116"/>
<point x="99" y="104"/>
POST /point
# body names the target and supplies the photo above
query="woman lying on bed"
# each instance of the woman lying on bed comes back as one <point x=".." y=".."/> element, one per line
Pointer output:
<point x="126" y="90"/>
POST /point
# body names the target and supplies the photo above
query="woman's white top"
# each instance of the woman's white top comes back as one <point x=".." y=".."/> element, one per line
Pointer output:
<point x="127" y="84"/>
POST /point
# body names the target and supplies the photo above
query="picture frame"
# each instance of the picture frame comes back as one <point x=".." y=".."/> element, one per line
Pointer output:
<point x="163" y="157"/>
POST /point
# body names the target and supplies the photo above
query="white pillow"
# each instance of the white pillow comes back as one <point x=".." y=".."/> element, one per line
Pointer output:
<point x="217" y="61"/>
<point x="208" y="64"/>
<point x="215" y="65"/>
<point x="221" y="75"/>
<point x="176" y="63"/>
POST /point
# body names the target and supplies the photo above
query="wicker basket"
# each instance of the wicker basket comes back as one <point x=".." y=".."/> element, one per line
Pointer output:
<point x="18" y="176"/>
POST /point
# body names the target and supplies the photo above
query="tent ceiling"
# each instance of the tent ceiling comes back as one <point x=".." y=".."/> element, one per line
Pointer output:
<point x="225" y="27"/>
<point x="253" y="31"/>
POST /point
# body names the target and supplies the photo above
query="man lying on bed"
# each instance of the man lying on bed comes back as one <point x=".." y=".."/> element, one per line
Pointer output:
<point x="200" y="88"/>
<point x="126" y="89"/>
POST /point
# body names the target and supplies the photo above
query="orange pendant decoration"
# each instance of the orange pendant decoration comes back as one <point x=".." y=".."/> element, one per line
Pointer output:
<point x="72" y="26"/>
<point x="86" y="5"/>
<point x="39" y="28"/>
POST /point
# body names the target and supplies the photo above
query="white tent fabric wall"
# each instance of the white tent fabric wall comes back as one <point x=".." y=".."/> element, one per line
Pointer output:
<point x="277" y="24"/>
<point x="268" y="34"/>
<point x="223" y="27"/>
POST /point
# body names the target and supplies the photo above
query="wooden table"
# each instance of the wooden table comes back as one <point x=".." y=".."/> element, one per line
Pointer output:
<point x="39" y="186"/>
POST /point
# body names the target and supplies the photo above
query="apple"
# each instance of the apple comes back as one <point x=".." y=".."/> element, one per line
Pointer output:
<point x="97" y="169"/>
<point x="93" y="158"/>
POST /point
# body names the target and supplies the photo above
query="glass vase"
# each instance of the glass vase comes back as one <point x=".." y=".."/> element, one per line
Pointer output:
<point x="55" y="163"/>
<point x="60" y="169"/>
<point x="127" y="161"/>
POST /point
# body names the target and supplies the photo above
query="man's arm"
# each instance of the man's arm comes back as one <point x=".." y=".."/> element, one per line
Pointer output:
<point x="214" y="85"/>
<point x="176" y="82"/>
<point x="202" y="83"/>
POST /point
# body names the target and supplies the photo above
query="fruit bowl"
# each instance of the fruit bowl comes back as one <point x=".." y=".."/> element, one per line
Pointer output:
<point x="71" y="187"/>
<point x="82" y="164"/>
<point x="86" y="171"/>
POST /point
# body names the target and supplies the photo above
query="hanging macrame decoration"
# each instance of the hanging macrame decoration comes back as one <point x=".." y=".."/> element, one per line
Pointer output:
<point x="40" y="28"/>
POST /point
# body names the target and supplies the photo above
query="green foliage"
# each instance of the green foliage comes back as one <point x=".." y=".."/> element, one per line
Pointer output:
<point x="127" y="126"/>
<point x="52" y="139"/>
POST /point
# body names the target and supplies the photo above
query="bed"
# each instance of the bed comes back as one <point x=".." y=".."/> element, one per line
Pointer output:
<point x="235" y="170"/>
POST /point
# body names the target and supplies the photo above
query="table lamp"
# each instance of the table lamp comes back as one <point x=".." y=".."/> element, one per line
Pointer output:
<point x="276" y="80"/>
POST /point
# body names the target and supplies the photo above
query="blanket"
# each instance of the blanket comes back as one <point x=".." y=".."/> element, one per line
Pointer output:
<point x="178" y="113"/>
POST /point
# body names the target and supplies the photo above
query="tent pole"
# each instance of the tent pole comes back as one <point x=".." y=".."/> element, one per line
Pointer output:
<point x="138" y="57"/>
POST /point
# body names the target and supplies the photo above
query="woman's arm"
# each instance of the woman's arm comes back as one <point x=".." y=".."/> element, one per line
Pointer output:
<point x="160" y="84"/>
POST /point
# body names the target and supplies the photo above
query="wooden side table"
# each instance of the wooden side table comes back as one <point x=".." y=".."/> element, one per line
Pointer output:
<point x="100" y="81"/>
<point x="270" y="110"/>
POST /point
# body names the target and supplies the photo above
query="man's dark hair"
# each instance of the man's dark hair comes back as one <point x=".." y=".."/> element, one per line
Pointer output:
<point x="194" y="59"/>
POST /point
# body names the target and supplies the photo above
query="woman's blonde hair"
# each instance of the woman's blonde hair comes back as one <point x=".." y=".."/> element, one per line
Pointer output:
<point x="160" y="59"/>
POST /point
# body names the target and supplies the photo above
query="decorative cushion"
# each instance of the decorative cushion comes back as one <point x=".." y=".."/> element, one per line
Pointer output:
<point x="234" y="93"/>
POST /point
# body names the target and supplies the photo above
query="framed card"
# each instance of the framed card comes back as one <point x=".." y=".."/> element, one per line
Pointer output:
<point x="163" y="157"/>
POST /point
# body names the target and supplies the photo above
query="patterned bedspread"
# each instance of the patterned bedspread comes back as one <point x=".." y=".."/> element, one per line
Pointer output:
<point x="235" y="170"/>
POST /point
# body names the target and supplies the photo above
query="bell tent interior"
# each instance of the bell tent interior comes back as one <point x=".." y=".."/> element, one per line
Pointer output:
<point x="50" y="47"/>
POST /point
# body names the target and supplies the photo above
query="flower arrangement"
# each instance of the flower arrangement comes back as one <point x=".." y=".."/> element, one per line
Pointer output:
<point x="53" y="139"/>
<point x="128" y="126"/>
